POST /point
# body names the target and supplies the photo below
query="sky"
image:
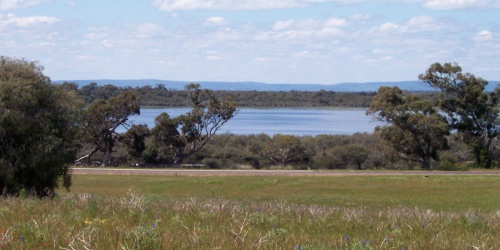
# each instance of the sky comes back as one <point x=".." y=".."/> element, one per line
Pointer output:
<point x="271" y="41"/>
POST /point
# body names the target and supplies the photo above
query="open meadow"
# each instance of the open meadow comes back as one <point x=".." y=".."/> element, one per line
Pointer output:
<point x="259" y="212"/>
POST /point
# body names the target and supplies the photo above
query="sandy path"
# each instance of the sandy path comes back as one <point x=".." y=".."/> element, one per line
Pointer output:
<point x="203" y="172"/>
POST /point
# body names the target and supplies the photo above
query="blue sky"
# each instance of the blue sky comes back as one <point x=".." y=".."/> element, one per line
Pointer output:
<point x="273" y="41"/>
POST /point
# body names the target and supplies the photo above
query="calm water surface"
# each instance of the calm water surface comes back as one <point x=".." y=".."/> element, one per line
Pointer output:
<point x="271" y="121"/>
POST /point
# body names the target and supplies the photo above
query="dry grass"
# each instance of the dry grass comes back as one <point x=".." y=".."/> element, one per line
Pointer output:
<point x="131" y="220"/>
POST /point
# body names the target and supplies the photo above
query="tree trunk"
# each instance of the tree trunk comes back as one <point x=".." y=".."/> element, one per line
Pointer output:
<point x="105" y="160"/>
<point x="179" y="158"/>
<point x="87" y="156"/>
<point x="108" y="149"/>
<point x="488" y="154"/>
<point x="426" y="162"/>
<point x="358" y="164"/>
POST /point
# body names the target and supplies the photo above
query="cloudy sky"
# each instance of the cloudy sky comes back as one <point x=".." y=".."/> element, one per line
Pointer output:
<point x="273" y="41"/>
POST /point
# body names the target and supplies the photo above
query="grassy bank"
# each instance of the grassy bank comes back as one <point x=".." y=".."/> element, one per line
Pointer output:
<point x="176" y="212"/>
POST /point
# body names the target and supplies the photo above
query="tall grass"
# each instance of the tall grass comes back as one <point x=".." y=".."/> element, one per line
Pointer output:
<point x="130" y="221"/>
<point x="245" y="212"/>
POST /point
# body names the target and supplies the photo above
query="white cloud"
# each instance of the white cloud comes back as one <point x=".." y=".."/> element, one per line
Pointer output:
<point x="172" y="5"/>
<point x="282" y="25"/>
<point x="416" y="25"/>
<point x="215" y="21"/>
<point x="214" y="56"/>
<point x="382" y="51"/>
<point x="483" y="36"/>
<point x="461" y="4"/>
<point x="149" y="30"/>
<point x="84" y="57"/>
<point x="123" y="36"/>
<point x="336" y="22"/>
<point x="343" y="50"/>
<point x="424" y="24"/>
<point x="106" y="43"/>
<point x="304" y="29"/>
<point x="363" y="59"/>
<point x="18" y="4"/>
<point x="264" y="59"/>
<point x="387" y="27"/>
<point x="308" y="54"/>
<point x="95" y="33"/>
<point x="360" y="17"/>
<point x="257" y="46"/>
<point x="25" y="22"/>
<point x="387" y="58"/>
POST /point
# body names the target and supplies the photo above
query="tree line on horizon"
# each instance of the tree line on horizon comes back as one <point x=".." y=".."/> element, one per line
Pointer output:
<point x="161" y="96"/>
<point x="46" y="127"/>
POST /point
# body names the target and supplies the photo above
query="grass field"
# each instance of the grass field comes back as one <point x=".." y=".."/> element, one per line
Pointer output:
<point x="440" y="193"/>
<point x="247" y="212"/>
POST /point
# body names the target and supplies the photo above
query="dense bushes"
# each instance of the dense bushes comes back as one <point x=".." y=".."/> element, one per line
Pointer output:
<point x="358" y="151"/>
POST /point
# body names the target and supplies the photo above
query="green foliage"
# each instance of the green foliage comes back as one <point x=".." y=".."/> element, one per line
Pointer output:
<point x="359" y="151"/>
<point x="150" y="154"/>
<point x="162" y="96"/>
<point x="346" y="155"/>
<point x="326" y="159"/>
<point x="354" y="154"/>
<point x="37" y="129"/>
<point x="471" y="111"/>
<point x="91" y="92"/>
<point x="102" y="118"/>
<point x="229" y="151"/>
<point x="283" y="149"/>
<point x="142" y="238"/>
<point x="450" y="162"/>
<point x="135" y="141"/>
<point x="417" y="131"/>
<point x="185" y="135"/>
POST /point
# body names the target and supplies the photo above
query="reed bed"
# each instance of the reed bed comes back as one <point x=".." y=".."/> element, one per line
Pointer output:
<point x="132" y="221"/>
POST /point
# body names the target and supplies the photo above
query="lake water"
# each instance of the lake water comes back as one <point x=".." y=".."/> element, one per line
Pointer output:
<point x="271" y="121"/>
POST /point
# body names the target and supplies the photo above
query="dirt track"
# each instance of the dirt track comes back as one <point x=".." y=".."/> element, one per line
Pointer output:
<point x="201" y="172"/>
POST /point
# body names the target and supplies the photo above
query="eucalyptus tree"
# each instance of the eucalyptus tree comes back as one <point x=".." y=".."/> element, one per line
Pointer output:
<point x="101" y="121"/>
<point x="470" y="110"/>
<point x="135" y="142"/>
<point x="38" y="124"/>
<point x="284" y="149"/>
<point x="182" y="136"/>
<point x="416" y="130"/>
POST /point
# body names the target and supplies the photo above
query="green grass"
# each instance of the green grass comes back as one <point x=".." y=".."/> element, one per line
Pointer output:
<point x="440" y="193"/>
<point x="178" y="212"/>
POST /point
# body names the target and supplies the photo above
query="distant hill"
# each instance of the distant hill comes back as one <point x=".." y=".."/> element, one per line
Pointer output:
<point x="258" y="86"/>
